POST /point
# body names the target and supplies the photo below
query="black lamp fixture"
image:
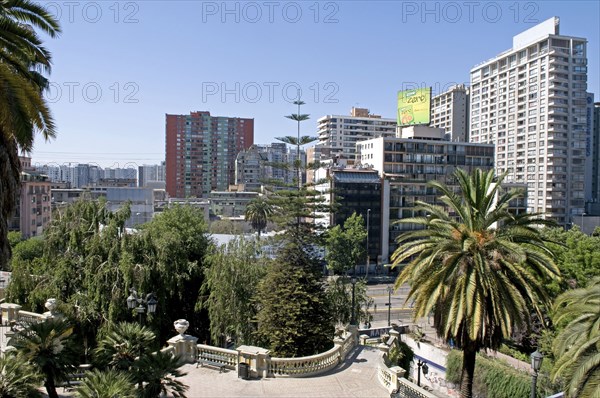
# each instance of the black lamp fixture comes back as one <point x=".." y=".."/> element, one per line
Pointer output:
<point x="136" y="302"/>
<point x="536" y="365"/>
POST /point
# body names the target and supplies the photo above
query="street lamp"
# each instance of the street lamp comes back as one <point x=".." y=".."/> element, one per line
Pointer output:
<point x="425" y="370"/>
<point x="389" y="304"/>
<point x="582" y="214"/>
<point x="368" y="217"/>
<point x="353" y="281"/>
<point x="536" y="364"/>
<point x="136" y="302"/>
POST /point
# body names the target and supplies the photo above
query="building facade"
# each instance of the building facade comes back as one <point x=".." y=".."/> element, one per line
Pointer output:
<point x="339" y="134"/>
<point x="148" y="173"/>
<point x="407" y="163"/>
<point x="530" y="101"/>
<point x="449" y="110"/>
<point x="34" y="211"/>
<point x="201" y="150"/>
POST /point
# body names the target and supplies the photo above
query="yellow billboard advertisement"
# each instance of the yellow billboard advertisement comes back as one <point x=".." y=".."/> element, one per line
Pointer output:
<point x="414" y="106"/>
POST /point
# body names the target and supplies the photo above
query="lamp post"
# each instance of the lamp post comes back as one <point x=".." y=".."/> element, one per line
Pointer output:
<point x="353" y="281"/>
<point x="136" y="302"/>
<point x="422" y="364"/>
<point x="582" y="214"/>
<point x="536" y="364"/>
<point x="389" y="304"/>
<point x="368" y="218"/>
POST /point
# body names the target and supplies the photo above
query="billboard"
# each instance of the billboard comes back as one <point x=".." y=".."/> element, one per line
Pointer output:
<point x="414" y="106"/>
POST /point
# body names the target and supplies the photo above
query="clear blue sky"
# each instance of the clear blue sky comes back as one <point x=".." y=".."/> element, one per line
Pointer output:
<point x="149" y="58"/>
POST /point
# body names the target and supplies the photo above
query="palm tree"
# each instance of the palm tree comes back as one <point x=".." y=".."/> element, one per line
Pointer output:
<point x="476" y="266"/>
<point x="49" y="346"/>
<point x="258" y="212"/>
<point x="23" y="110"/>
<point x="159" y="372"/>
<point x="577" y="346"/>
<point x="108" y="384"/>
<point x="122" y="344"/>
<point x="18" y="378"/>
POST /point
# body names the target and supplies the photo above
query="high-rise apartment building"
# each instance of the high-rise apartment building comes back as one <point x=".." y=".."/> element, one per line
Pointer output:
<point x="407" y="163"/>
<point x="201" y="150"/>
<point x="150" y="173"/>
<point x="530" y="101"/>
<point x="341" y="133"/>
<point x="596" y="154"/>
<point x="449" y="111"/>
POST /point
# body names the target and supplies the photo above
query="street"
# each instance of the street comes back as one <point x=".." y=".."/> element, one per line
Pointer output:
<point x="399" y="309"/>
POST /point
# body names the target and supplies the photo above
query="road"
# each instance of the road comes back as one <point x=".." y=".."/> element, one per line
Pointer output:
<point x="399" y="309"/>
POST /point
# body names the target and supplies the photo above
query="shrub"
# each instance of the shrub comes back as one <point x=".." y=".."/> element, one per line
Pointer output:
<point x="494" y="378"/>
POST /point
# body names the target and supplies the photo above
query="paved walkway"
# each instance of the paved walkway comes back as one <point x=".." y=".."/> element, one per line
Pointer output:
<point x="356" y="377"/>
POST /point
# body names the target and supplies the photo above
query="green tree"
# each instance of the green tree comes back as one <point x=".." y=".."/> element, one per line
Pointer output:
<point x="230" y="283"/>
<point x="478" y="268"/>
<point x="258" y="212"/>
<point x="339" y="296"/>
<point x="49" y="346"/>
<point x="346" y="246"/>
<point x="106" y="384"/>
<point x="90" y="262"/>
<point x="577" y="346"/>
<point x="23" y="110"/>
<point x="18" y="378"/>
<point x="299" y="141"/>
<point x="577" y="257"/>
<point x="294" y="318"/>
<point x="14" y="237"/>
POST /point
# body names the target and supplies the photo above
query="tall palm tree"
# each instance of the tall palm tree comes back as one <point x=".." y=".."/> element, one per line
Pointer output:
<point x="107" y="384"/>
<point x="577" y="346"/>
<point x="18" y="378"/>
<point x="476" y="266"/>
<point x="23" y="110"/>
<point x="258" y="212"/>
<point x="49" y="346"/>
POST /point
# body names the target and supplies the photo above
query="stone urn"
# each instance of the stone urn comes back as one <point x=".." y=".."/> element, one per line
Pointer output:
<point x="181" y="325"/>
<point x="50" y="305"/>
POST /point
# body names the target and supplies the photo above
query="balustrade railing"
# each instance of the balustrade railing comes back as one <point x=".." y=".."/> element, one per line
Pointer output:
<point x="229" y="358"/>
<point x="30" y="317"/>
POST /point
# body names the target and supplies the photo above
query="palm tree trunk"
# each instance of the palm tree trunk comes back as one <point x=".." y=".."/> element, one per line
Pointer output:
<point x="10" y="172"/>
<point x="468" y="371"/>
<point x="51" y="388"/>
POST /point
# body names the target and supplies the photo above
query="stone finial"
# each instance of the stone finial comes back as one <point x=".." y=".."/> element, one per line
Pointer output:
<point x="181" y="325"/>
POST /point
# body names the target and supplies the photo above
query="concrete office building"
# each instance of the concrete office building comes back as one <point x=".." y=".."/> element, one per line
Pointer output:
<point x="201" y="150"/>
<point x="406" y="163"/>
<point x="340" y="133"/>
<point x="530" y="101"/>
<point x="149" y="173"/>
<point x="449" y="111"/>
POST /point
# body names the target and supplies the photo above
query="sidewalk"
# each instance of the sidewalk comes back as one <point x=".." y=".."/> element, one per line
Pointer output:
<point x="355" y="378"/>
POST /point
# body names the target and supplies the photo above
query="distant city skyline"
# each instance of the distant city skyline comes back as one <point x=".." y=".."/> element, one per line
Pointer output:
<point x="117" y="71"/>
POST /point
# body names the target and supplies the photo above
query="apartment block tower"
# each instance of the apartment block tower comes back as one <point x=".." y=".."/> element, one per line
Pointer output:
<point x="201" y="150"/>
<point x="530" y="101"/>
<point x="339" y="134"/>
<point x="449" y="110"/>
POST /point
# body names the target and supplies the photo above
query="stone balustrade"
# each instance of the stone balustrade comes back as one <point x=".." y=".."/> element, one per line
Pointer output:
<point x="30" y="317"/>
<point x="406" y="389"/>
<point x="229" y="358"/>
